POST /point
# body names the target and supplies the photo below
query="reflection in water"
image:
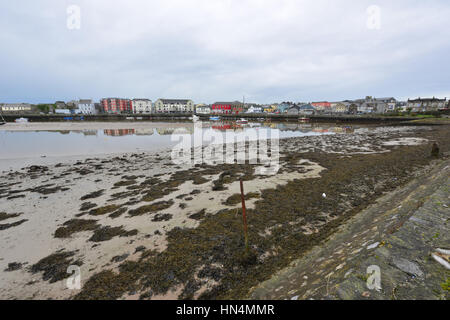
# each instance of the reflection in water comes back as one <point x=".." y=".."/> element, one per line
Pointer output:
<point x="36" y="144"/>
<point x="118" y="132"/>
<point x="217" y="126"/>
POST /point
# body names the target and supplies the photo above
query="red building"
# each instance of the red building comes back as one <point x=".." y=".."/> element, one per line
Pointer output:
<point x="227" y="107"/>
<point x="116" y="105"/>
<point x="321" y="106"/>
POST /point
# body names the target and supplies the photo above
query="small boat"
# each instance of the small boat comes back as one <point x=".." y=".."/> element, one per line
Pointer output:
<point x="242" y="121"/>
<point x="21" y="120"/>
<point x="214" y="118"/>
<point x="194" y="118"/>
<point x="303" y="119"/>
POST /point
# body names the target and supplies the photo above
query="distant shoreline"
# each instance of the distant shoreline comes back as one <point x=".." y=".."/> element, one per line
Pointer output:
<point x="186" y="117"/>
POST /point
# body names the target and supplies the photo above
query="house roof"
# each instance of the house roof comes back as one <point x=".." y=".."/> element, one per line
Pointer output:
<point x="85" y="101"/>
<point x="307" y="107"/>
<point x="427" y="100"/>
<point x="228" y="103"/>
<point x="182" y="101"/>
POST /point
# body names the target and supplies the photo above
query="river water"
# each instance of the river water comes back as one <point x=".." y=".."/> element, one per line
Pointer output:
<point x="25" y="144"/>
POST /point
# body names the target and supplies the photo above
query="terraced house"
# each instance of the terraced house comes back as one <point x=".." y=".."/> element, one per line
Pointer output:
<point x="340" y="107"/>
<point x="116" y="105"/>
<point x="141" y="105"/>
<point x="323" y="106"/>
<point x="16" y="108"/>
<point x="85" y="106"/>
<point x="426" y="104"/>
<point x="227" y="107"/>
<point x="174" y="106"/>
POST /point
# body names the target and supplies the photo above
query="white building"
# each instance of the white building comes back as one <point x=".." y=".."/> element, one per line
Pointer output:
<point x="141" y="106"/>
<point x="85" y="106"/>
<point x="63" y="111"/>
<point x="202" y="109"/>
<point x="15" y="107"/>
<point x="426" y="104"/>
<point x="255" y="109"/>
<point x="174" y="106"/>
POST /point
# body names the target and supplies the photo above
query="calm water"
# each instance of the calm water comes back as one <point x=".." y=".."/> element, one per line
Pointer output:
<point x="33" y="145"/>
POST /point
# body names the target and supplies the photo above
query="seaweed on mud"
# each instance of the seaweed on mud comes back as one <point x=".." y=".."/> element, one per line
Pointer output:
<point x="40" y="169"/>
<point x="54" y="266"/>
<point x="151" y="208"/>
<point x="119" y="258"/>
<point x="231" y="173"/>
<point x="93" y="195"/>
<point x="15" y="197"/>
<point x="199" y="180"/>
<point x="103" y="210"/>
<point x="75" y="225"/>
<point x="118" y="212"/>
<point x="11" y="225"/>
<point x="139" y="249"/>
<point x="121" y="195"/>
<point x="87" y="205"/>
<point x="4" y="215"/>
<point x="161" y="189"/>
<point x="218" y="239"/>
<point x="236" y="198"/>
<point x="13" y="266"/>
<point x="124" y="183"/>
<point x="189" y="290"/>
<point x="107" y="233"/>
<point x="47" y="189"/>
<point x="198" y="215"/>
<point x="162" y="217"/>
<point x="84" y="171"/>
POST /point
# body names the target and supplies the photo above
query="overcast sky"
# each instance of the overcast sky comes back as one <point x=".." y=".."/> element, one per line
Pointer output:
<point x="216" y="50"/>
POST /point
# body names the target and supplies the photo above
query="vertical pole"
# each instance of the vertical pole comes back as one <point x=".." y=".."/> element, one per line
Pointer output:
<point x="244" y="216"/>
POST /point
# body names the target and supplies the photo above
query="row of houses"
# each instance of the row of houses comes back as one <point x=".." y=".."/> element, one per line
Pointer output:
<point x="119" y="105"/>
<point x="368" y="105"/>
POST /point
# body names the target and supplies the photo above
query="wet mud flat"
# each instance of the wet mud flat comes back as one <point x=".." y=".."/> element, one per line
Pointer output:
<point x="141" y="227"/>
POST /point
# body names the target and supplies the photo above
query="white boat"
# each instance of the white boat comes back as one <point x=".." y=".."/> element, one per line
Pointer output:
<point x="194" y="118"/>
<point x="21" y="120"/>
<point x="242" y="121"/>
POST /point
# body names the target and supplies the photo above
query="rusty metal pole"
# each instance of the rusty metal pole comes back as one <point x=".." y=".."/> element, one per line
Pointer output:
<point x="244" y="216"/>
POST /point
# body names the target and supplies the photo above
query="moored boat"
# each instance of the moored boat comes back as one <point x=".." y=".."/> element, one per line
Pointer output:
<point x="21" y="120"/>
<point x="214" y="118"/>
<point x="242" y="121"/>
